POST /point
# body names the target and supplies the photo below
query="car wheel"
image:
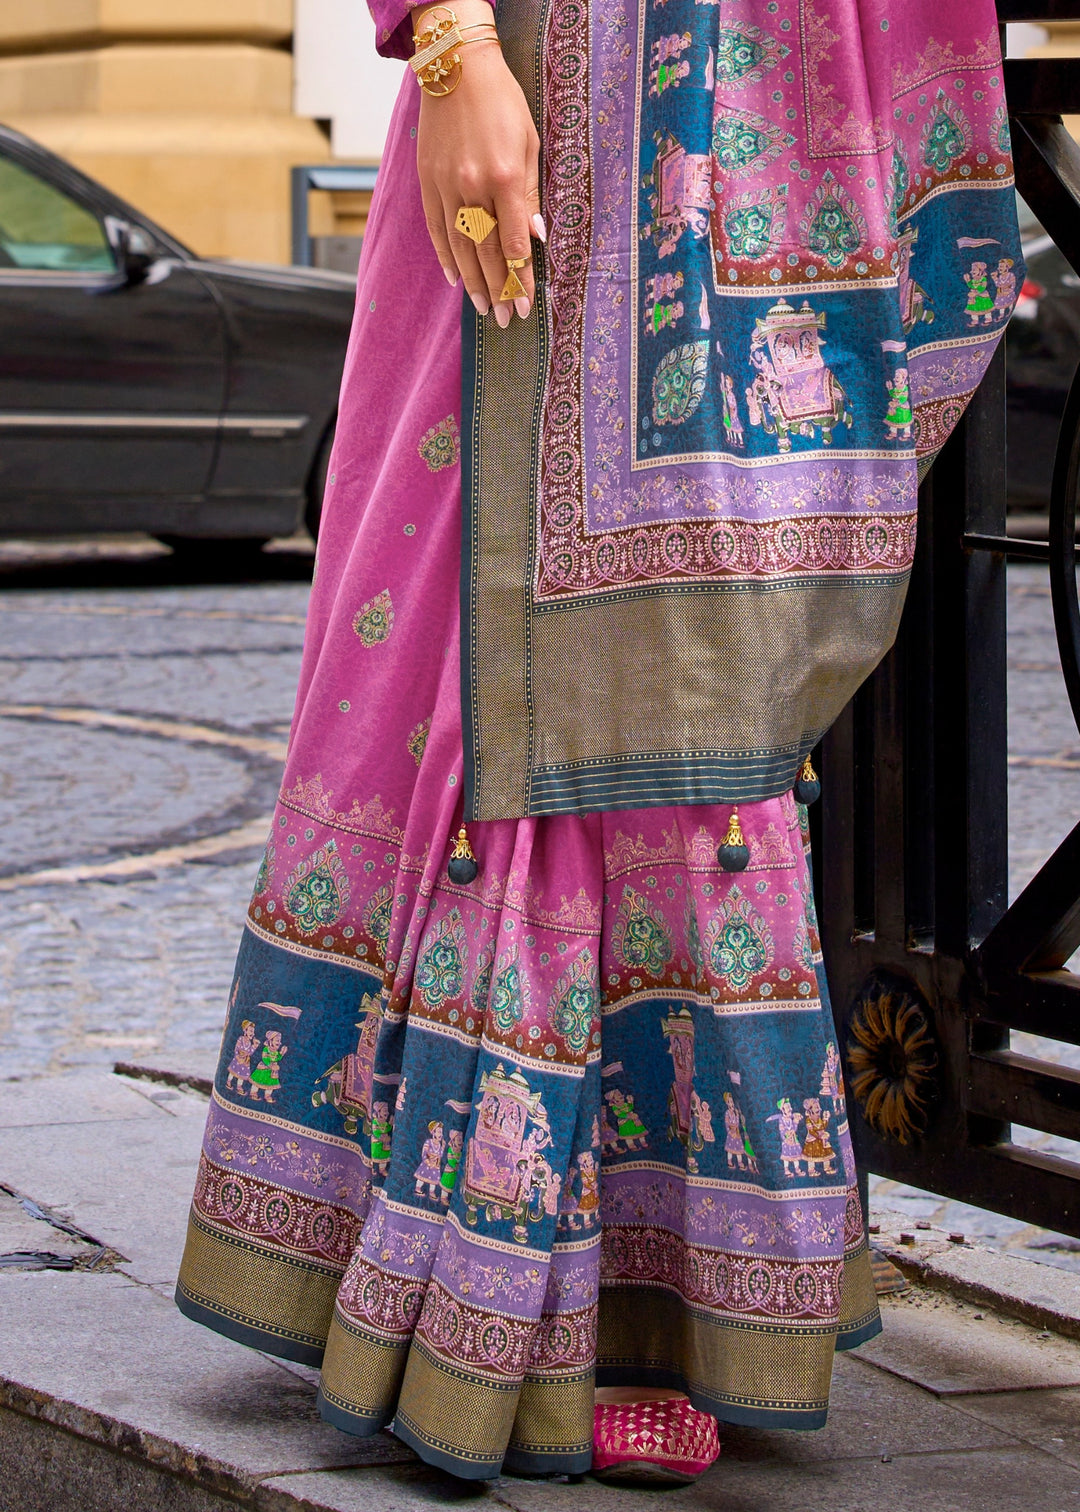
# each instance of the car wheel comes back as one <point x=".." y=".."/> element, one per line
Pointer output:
<point x="316" y="485"/>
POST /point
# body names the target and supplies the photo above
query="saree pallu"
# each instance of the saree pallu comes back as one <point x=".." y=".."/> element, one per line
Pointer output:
<point x="475" y="1148"/>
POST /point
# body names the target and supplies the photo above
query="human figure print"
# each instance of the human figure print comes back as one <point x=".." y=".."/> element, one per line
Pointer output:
<point x="980" y="306"/>
<point x="701" y="1117"/>
<point x="666" y="66"/>
<point x="632" y="1133"/>
<point x="737" y="1146"/>
<point x="791" y="1150"/>
<point x="899" y="420"/>
<point x="832" y="1078"/>
<point x="817" y="1148"/>
<point x="382" y="1124"/>
<point x="266" y="1074"/>
<point x="240" y="1065"/>
<point x="589" y="1201"/>
<point x="1004" y="288"/>
<point x="428" y="1174"/>
<point x="450" y="1171"/>
<point x="730" y="418"/>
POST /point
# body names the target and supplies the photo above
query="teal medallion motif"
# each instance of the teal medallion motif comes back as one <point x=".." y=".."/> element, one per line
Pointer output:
<point x="946" y="136"/>
<point x="832" y="226"/>
<point x="679" y="383"/>
<point x="640" y="938"/>
<point x="745" y="54"/>
<point x="745" y="144"/>
<point x="739" y="942"/>
<point x="573" y="1007"/>
<point x="754" y="224"/>
<point x="317" y="892"/>
<point x="509" y="994"/>
<point x="440" y="970"/>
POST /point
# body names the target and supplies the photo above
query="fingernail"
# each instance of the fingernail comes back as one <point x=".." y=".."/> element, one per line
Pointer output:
<point x="451" y="278"/>
<point x="539" y="227"/>
<point x="482" y="306"/>
<point x="502" y="315"/>
<point x="521" y="305"/>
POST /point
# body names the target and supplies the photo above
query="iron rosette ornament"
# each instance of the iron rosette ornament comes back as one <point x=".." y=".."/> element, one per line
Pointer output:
<point x="892" y="1058"/>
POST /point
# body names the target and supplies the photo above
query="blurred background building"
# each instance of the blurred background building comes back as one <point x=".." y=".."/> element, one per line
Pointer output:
<point x="196" y="110"/>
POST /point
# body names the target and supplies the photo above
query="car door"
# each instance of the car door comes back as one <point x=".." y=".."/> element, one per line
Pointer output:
<point x="111" y="386"/>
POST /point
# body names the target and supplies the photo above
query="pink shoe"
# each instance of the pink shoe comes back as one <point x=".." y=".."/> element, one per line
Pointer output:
<point x="665" y="1442"/>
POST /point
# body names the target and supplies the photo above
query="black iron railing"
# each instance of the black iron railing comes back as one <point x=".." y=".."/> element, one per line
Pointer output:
<point x="930" y="967"/>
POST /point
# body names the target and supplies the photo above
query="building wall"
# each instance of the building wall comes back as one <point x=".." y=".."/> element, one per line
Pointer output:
<point x="190" y="108"/>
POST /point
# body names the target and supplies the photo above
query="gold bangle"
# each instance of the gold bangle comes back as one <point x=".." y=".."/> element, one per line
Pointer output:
<point x="437" y="60"/>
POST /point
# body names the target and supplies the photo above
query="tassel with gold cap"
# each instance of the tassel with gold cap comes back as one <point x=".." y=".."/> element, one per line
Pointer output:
<point x="462" y="867"/>
<point x="734" y="854"/>
<point x="807" y="785"/>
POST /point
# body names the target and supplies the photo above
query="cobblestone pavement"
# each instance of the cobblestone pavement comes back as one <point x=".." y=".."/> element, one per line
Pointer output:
<point x="142" y="727"/>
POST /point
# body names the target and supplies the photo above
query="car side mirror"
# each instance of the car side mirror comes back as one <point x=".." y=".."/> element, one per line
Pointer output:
<point x="133" y="249"/>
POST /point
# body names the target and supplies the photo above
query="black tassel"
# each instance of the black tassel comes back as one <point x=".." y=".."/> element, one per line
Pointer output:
<point x="462" y="867"/>
<point x="807" y="784"/>
<point x="734" y="854"/>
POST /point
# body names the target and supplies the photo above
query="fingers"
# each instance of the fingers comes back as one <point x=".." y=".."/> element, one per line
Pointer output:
<point x="436" y="224"/>
<point x="465" y="255"/>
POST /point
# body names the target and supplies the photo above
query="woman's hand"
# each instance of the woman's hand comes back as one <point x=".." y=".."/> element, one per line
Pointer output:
<point x="478" y="146"/>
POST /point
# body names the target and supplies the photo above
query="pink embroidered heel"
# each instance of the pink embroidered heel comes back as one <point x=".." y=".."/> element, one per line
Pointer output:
<point x="659" y="1443"/>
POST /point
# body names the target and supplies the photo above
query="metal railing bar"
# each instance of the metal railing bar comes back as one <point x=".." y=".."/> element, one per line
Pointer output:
<point x="1012" y="546"/>
<point x="1020" y="1089"/>
<point x="1046" y="1003"/>
<point x="1038" y="10"/>
<point x="1063" y="495"/>
<point x="1041" y="929"/>
<point x="1047" y="163"/>
<point x="1043" y="86"/>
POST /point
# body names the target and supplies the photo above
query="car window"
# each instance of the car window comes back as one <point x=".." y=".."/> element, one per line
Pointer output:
<point x="41" y="227"/>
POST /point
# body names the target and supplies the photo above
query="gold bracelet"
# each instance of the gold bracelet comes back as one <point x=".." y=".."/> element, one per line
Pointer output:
<point x="437" y="60"/>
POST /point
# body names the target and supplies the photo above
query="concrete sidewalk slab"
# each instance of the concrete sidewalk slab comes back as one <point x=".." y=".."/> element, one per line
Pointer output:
<point x="110" y="1399"/>
<point x="951" y="1348"/>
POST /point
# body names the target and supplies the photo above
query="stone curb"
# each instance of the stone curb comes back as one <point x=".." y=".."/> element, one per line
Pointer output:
<point x="1035" y="1293"/>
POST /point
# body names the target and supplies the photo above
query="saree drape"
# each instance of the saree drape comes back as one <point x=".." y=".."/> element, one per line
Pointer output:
<point x="783" y="249"/>
<point x="473" y="1148"/>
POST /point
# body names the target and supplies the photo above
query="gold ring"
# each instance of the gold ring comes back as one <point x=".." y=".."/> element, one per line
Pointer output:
<point x="513" y="288"/>
<point x="475" y="222"/>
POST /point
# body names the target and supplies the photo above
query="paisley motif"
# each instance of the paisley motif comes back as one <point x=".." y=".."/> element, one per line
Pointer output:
<point x="440" y="446"/>
<point x="747" y="143"/>
<point x="679" y="383"/>
<point x="374" y="620"/>
<point x="640" y="938"/>
<point x="482" y="985"/>
<point x="266" y="868"/>
<point x="573" y="1007"/>
<point x="440" y="971"/>
<point x="899" y="185"/>
<point x="802" y="947"/>
<point x="738" y="941"/>
<point x="509" y="993"/>
<point x="946" y="136"/>
<point x="754" y="223"/>
<point x="693" y="935"/>
<point x="745" y="54"/>
<point x="377" y="917"/>
<point x="833" y="227"/>
<point x="317" y="892"/>
<point x="418" y="740"/>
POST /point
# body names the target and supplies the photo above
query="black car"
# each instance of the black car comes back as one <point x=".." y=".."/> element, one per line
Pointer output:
<point x="1043" y="347"/>
<point x="142" y="388"/>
